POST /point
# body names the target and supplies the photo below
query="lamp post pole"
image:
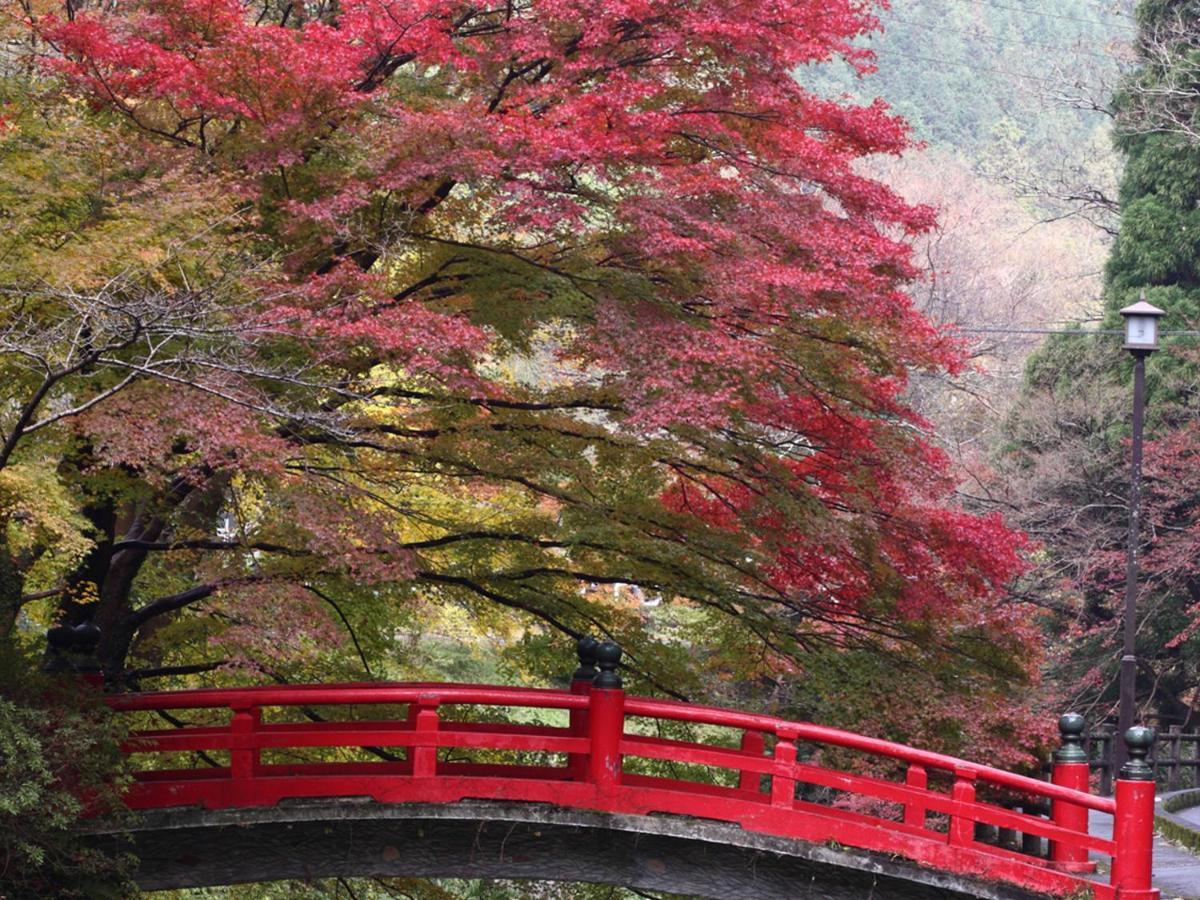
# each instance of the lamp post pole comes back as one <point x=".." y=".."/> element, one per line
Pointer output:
<point x="1141" y="339"/>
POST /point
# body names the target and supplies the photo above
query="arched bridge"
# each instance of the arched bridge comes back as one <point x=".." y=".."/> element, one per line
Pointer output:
<point x="591" y="784"/>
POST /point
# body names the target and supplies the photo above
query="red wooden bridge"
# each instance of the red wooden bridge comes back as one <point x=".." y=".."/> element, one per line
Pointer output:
<point x="587" y="749"/>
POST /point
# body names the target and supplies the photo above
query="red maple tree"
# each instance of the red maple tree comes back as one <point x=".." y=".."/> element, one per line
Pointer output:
<point x="638" y="200"/>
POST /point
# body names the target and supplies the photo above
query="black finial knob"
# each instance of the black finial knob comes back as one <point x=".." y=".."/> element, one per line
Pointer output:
<point x="60" y="638"/>
<point x="1070" y="729"/>
<point x="586" y="648"/>
<point x="87" y="637"/>
<point x="1138" y="741"/>
<point x="73" y="648"/>
<point x="608" y="657"/>
<point x="87" y="640"/>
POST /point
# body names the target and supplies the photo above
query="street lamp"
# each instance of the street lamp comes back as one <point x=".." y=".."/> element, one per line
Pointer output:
<point x="1141" y="339"/>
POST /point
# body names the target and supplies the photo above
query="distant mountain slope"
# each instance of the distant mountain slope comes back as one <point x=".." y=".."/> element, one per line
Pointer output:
<point x="971" y="73"/>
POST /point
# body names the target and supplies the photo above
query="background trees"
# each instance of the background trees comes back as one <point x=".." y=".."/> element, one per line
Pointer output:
<point x="1070" y="429"/>
<point x="1164" y="96"/>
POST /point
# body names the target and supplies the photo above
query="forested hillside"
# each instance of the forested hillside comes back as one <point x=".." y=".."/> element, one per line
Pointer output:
<point x="1011" y="101"/>
<point x="975" y="74"/>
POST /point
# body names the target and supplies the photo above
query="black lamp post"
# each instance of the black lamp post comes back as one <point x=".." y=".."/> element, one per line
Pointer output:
<point x="1141" y="339"/>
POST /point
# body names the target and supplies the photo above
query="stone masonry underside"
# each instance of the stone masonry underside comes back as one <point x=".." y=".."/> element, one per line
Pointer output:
<point x="191" y="847"/>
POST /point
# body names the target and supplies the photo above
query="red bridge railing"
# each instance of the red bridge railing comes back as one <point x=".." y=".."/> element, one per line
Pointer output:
<point x="931" y="812"/>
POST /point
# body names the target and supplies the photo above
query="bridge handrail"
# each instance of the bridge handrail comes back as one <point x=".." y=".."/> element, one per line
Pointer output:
<point x="715" y="715"/>
<point x="364" y="693"/>
<point x="443" y="694"/>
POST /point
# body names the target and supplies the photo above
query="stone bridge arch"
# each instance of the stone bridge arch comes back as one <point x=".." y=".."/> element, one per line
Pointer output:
<point x="195" y="847"/>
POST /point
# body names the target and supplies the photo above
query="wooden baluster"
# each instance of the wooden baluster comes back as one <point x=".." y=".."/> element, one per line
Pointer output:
<point x="914" y="812"/>
<point x="783" y="778"/>
<point x="1032" y="844"/>
<point x="244" y="753"/>
<point x="1007" y="837"/>
<point x="1106" y="760"/>
<point x="423" y="717"/>
<point x="1153" y="759"/>
<point x="752" y="742"/>
<point x="962" y="825"/>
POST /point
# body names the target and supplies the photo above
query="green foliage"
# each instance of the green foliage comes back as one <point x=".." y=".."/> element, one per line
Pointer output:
<point x="39" y="512"/>
<point x="58" y="745"/>
<point x="1156" y="253"/>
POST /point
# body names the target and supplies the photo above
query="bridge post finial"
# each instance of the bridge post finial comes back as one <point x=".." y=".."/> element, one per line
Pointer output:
<point x="608" y="657"/>
<point x="72" y="649"/>
<point x="1139" y="740"/>
<point x="581" y="683"/>
<point x="586" y="650"/>
<point x="59" y="640"/>
<point x="1070" y="729"/>
<point x="1133" y="823"/>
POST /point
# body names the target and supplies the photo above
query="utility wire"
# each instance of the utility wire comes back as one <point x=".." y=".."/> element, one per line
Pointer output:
<point x="1041" y="331"/>
<point x="887" y="51"/>
<point x="1119" y="20"/>
<point x="975" y="66"/>
<point x="1075" y="331"/>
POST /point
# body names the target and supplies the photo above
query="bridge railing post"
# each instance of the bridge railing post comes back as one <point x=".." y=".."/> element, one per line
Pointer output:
<point x="581" y="683"/>
<point x="752" y="742"/>
<point x="1070" y="770"/>
<point x="916" y="776"/>
<point x="606" y="719"/>
<point x="423" y="718"/>
<point x="245" y="757"/>
<point x="962" y="827"/>
<point x="1133" y="824"/>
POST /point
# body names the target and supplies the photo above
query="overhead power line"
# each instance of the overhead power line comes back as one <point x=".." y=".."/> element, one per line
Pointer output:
<point x="937" y="60"/>
<point x="1079" y="332"/>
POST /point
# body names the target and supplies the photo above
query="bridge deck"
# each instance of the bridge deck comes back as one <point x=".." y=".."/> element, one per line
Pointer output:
<point x="193" y="847"/>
